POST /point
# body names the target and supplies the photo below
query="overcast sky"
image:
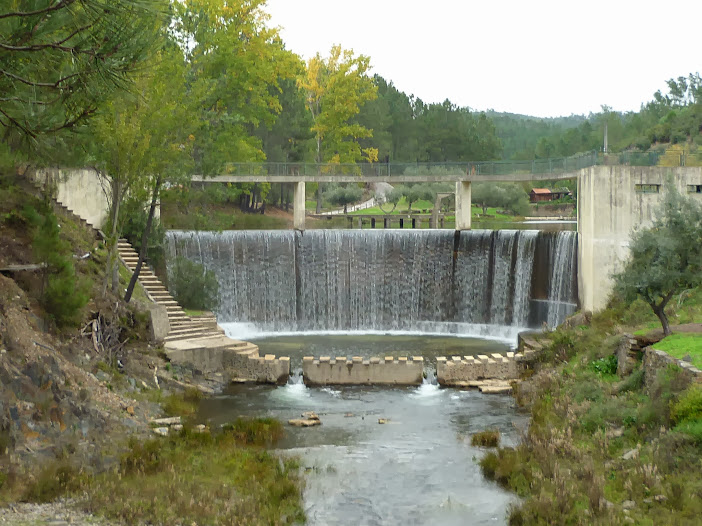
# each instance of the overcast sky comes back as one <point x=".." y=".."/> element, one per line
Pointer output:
<point x="537" y="57"/>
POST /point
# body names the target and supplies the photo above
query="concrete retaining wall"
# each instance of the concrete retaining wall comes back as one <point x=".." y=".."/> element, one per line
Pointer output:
<point x="80" y="190"/>
<point x="609" y="209"/>
<point x="458" y="370"/>
<point x="248" y="366"/>
<point x="655" y="361"/>
<point x="237" y="361"/>
<point x="358" y="371"/>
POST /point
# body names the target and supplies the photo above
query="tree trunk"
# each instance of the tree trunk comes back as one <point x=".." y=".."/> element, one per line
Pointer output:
<point x="144" y="240"/>
<point x="318" y="208"/>
<point x="660" y="312"/>
<point x="112" y="270"/>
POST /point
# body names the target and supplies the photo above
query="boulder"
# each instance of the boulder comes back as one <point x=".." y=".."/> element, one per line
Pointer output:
<point x="305" y="422"/>
<point x="161" y="431"/>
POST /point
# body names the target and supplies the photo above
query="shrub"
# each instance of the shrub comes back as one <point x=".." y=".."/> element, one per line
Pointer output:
<point x="487" y="438"/>
<point x="688" y="408"/>
<point x="254" y="431"/>
<point x="55" y="480"/>
<point x="605" y="366"/>
<point x="633" y="382"/>
<point x="508" y="468"/>
<point x="63" y="294"/>
<point x="194" y="287"/>
<point x="143" y="458"/>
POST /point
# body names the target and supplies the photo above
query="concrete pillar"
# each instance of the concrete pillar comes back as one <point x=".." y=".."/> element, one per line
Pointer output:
<point x="463" y="205"/>
<point x="360" y="223"/>
<point x="299" y="206"/>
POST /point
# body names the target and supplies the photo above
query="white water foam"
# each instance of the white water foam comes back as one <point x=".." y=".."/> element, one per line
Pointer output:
<point x="499" y="333"/>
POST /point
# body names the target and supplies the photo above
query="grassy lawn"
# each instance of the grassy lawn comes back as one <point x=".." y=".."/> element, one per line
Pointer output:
<point x="680" y="345"/>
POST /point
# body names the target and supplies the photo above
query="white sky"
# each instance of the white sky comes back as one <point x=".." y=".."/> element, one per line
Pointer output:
<point x="536" y="57"/>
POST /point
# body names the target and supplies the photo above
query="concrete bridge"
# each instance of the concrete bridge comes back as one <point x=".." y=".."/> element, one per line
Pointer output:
<point x="462" y="174"/>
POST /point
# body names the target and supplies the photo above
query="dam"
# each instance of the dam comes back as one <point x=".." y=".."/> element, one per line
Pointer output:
<point x="441" y="281"/>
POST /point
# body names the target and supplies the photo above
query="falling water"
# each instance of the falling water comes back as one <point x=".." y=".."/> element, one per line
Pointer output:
<point x="560" y="292"/>
<point x="386" y="280"/>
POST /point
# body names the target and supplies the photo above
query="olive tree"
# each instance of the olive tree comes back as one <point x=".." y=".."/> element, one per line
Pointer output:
<point x="666" y="258"/>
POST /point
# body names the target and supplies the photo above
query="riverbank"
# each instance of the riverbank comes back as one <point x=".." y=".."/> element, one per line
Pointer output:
<point x="603" y="447"/>
<point x="79" y="395"/>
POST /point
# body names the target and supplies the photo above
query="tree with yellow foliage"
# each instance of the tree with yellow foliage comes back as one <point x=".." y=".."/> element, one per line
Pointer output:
<point x="335" y="88"/>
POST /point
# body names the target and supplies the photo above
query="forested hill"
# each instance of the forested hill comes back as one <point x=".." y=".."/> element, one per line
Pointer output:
<point x="520" y="134"/>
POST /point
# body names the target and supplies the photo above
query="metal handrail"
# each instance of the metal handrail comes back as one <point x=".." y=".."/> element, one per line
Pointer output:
<point x="537" y="166"/>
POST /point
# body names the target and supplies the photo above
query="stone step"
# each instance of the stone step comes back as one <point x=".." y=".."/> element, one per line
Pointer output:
<point x="193" y="336"/>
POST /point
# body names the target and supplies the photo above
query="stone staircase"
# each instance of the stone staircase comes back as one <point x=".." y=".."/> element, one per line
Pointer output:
<point x="183" y="327"/>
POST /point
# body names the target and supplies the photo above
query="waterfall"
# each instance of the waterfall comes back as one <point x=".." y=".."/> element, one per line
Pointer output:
<point x="561" y="283"/>
<point x="386" y="280"/>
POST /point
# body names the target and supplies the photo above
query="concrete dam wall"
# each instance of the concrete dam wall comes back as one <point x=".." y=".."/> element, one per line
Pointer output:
<point x="426" y="281"/>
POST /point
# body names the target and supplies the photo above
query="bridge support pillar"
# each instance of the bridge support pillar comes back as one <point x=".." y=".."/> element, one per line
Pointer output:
<point x="463" y="197"/>
<point x="299" y="206"/>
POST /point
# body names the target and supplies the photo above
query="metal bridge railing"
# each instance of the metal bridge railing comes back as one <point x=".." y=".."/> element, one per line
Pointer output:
<point x="538" y="166"/>
<point x="555" y="166"/>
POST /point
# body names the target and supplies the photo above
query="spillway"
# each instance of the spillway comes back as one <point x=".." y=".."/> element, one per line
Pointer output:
<point x="337" y="280"/>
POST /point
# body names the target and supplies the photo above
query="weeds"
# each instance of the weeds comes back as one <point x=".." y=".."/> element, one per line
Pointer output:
<point x="487" y="438"/>
<point x="597" y="440"/>
<point x="207" y="479"/>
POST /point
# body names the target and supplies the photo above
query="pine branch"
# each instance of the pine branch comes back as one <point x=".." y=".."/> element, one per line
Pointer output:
<point x="56" y="7"/>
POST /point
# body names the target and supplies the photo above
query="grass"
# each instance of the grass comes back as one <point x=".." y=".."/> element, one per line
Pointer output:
<point x="487" y="438"/>
<point x="681" y="345"/>
<point x="585" y="418"/>
<point x="187" y="478"/>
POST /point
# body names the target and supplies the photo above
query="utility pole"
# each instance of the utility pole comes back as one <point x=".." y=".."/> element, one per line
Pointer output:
<point x="605" y="138"/>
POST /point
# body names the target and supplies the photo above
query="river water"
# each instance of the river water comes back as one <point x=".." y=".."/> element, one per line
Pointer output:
<point x="418" y="468"/>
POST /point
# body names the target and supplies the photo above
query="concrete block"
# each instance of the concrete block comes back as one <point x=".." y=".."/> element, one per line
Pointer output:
<point x="159" y="325"/>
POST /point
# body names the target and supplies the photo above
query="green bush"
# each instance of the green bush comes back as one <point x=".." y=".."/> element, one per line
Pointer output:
<point x="606" y="365"/>
<point x="63" y="294"/>
<point x="54" y="481"/>
<point x="194" y="287"/>
<point x="688" y="407"/>
<point x="255" y="431"/>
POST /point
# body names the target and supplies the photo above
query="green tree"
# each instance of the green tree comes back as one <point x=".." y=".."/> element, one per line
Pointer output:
<point x="665" y="258"/>
<point x="140" y="140"/>
<point x="236" y="65"/>
<point x="63" y="295"/>
<point x="194" y="286"/>
<point x="60" y="58"/>
<point x="508" y="196"/>
<point x="335" y="89"/>
<point x="344" y="195"/>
